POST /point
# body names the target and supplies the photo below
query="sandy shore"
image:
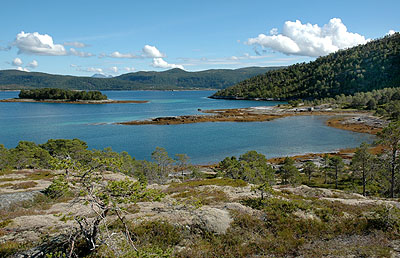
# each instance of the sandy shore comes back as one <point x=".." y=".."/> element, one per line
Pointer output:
<point x="108" y="101"/>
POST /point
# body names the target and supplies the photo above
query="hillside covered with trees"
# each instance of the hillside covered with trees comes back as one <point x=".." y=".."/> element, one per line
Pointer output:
<point x="375" y="65"/>
<point x="170" y="79"/>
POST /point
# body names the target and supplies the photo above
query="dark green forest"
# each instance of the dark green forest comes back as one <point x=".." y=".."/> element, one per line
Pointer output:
<point x="170" y="79"/>
<point x="375" y="65"/>
<point x="60" y="94"/>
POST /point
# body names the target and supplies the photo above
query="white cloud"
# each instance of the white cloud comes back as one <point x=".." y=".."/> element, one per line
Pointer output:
<point x="147" y="52"/>
<point x="93" y="69"/>
<point x="152" y="52"/>
<point x="114" y="69"/>
<point x="35" y="43"/>
<point x="19" y="68"/>
<point x="74" y="52"/>
<point x="129" y="69"/>
<point x="17" y="62"/>
<point x="87" y="70"/>
<point x="117" y="54"/>
<point x="75" y="44"/>
<point x="309" y="40"/>
<point x="160" y="63"/>
<point x="33" y="64"/>
<point x="273" y="31"/>
<point x="391" y="32"/>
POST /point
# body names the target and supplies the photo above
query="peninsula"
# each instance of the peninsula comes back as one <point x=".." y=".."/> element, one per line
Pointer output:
<point x="357" y="121"/>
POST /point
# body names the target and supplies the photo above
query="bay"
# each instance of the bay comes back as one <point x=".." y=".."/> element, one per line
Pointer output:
<point x="204" y="143"/>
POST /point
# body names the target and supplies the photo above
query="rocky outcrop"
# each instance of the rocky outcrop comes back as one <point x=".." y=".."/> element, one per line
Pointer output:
<point x="7" y="200"/>
<point x="212" y="220"/>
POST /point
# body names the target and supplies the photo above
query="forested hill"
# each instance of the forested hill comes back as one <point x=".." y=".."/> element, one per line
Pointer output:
<point x="214" y="78"/>
<point x="375" y="65"/>
<point x="170" y="79"/>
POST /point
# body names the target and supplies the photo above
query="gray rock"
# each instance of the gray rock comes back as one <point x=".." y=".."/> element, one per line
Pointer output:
<point x="9" y="199"/>
<point x="212" y="220"/>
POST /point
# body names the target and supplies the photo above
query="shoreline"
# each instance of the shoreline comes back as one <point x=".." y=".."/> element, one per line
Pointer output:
<point x="356" y="121"/>
<point x="109" y="101"/>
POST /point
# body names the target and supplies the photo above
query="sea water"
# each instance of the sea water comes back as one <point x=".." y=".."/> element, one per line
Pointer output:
<point x="204" y="143"/>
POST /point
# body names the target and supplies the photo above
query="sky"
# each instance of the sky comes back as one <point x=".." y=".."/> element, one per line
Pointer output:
<point x="116" y="37"/>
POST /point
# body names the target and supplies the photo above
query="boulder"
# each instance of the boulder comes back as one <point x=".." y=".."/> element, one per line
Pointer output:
<point x="212" y="220"/>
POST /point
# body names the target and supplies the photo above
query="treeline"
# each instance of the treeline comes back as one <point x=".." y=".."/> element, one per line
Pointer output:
<point x="366" y="173"/>
<point x="29" y="155"/>
<point x="375" y="65"/>
<point x="170" y="79"/>
<point x="61" y="94"/>
<point x="385" y="102"/>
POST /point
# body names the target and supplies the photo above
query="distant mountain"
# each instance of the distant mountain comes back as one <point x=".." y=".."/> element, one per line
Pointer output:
<point x="99" y="75"/>
<point x="170" y="79"/>
<point x="375" y="65"/>
<point x="214" y="79"/>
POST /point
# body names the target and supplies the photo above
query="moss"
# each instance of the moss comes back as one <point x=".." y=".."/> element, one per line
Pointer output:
<point x="5" y="223"/>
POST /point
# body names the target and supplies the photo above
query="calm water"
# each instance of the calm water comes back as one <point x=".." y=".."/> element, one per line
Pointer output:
<point x="203" y="142"/>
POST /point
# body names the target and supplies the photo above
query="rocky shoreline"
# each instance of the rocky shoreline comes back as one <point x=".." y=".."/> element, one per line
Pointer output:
<point x="363" y="122"/>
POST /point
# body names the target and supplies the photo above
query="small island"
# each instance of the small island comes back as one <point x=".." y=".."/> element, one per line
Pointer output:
<point x="54" y="95"/>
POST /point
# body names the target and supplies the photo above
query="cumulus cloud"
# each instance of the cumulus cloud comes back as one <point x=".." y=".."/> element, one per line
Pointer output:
<point x="114" y="69"/>
<point x="87" y="69"/>
<point x="309" y="40"/>
<point x="391" y="32"/>
<point x="273" y="31"/>
<point x="117" y="54"/>
<point x="33" y="64"/>
<point x="152" y="52"/>
<point x="38" y="44"/>
<point x="75" y="44"/>
<point x="92" y="70"/>
<point x="74" y="52"/>
<point x="19" y="68"/>
<point x="147" y="52"/>
<point x="161" y="63"/>
<point x="129" y="69"/>
<point x="17" y="62"/>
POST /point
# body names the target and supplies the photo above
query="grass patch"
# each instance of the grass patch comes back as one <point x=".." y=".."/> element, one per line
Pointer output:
<point x="5" y="223"/>
<point x="9" y="179"/>
<point x="214" y="181"/>
<point x="37" y="206"/>
<point x="157" y="233"/>
<point x="11" y="247"/>
<point x="40" y="175"/>
<point x="24" y="185"/>
<point x="6" y="185"/>
<point x="198" y="198"/>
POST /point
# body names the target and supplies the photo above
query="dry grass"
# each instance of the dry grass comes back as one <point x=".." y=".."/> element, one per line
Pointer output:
<point x="24" y="185"/>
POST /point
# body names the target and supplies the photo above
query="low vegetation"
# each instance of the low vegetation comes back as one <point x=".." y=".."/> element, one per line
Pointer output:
<point x="311" y="209"/>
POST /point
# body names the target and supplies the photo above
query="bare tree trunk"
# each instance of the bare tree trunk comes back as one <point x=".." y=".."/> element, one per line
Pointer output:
<point x="393" y="169"/>
<point x="336" y="177"/>
<point x="363" y="179"/>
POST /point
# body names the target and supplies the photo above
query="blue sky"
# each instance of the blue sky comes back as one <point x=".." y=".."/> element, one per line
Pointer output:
<point x="116" y="37"/>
